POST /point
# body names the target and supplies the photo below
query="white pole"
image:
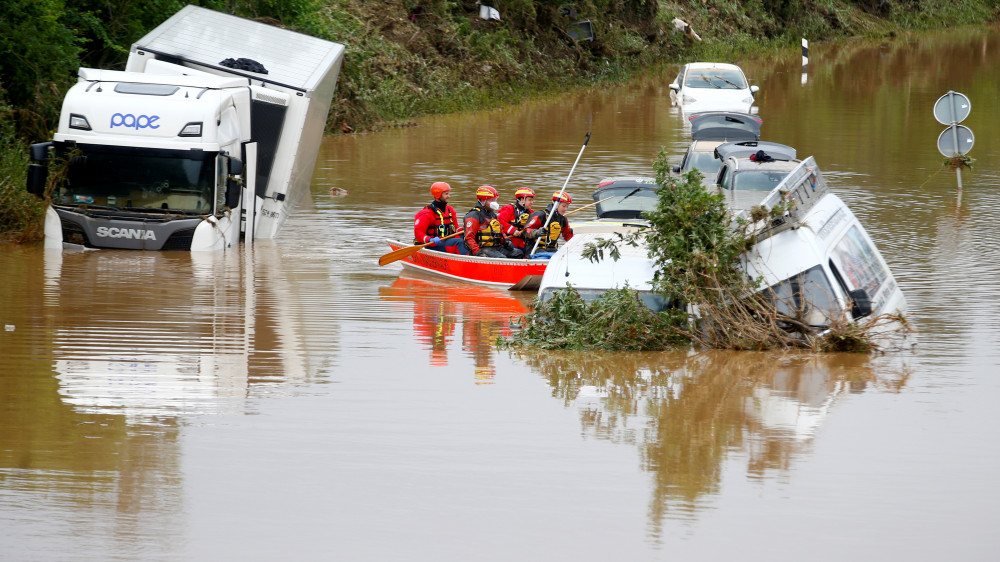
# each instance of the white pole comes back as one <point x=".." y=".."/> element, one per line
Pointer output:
<point x="561" y="191"/>
<point x="250" y="193"/>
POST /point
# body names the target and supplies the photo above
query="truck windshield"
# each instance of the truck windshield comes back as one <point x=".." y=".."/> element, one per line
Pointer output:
<point x="181" y="181"/>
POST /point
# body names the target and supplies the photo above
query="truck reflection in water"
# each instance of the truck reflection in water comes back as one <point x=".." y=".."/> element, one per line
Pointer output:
<point x="439" y="307"/>
<point x="156" y="336"/>
<point x="687" y="414"/>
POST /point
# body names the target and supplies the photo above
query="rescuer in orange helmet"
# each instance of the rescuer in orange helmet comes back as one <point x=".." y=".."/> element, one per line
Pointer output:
<point x="483" y="234"/>
<point x="557" y="226"/>
<point x="437" y="220"/>
<point x="514" y="216"/>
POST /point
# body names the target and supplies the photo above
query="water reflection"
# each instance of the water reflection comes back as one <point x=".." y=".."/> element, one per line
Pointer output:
<point x="441" y="308"/>
<point x="157" y="335"/>
<point x="688" y="414"/>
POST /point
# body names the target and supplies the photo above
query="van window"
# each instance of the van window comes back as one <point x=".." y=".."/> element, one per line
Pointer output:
<point x="807" y="296"/>
<point x="858" y="263"/>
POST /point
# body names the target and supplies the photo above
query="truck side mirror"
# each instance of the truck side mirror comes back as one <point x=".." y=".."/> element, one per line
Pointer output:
<point x="233" y="189"/>
<point x="38" y="174"/>
<point x="235" y="166"/>
<point x="40" y="151"/>
<point x="862" y="303"/>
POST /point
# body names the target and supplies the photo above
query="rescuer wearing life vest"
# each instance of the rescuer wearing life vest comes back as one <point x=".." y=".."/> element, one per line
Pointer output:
<point x="514" y="216"/>
<point x="437" y="220"/>
<point x="483" y="234"/>
<point x="558" y="225"/>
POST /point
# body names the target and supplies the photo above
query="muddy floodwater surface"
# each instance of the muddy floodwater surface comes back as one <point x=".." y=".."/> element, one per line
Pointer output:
<point x="297" y="401"/>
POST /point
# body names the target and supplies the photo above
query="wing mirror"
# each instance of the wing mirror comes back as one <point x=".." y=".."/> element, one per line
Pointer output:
<point x="40" y="151"/>
<point x="861" y="304"/>
<point x="676" y="168"/>
<point x="674" y="86"/>
<point x="235" y="166"/>
<point x="754" y="89"/>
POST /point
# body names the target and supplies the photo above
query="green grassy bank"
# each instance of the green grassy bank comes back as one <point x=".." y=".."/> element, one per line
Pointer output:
<point x="411" y="58"/>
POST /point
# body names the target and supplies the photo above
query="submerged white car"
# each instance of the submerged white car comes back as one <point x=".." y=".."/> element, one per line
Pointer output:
<point x="712" y="86"/>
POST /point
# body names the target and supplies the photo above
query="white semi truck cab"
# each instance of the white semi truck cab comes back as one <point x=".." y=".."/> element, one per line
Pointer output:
<point x="210" y="133"/>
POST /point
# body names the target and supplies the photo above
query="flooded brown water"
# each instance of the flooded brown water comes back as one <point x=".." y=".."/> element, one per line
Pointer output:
<point x="301" y="402"/>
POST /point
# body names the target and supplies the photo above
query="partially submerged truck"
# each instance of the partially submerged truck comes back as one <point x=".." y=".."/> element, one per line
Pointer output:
<point x="210" y="133"/>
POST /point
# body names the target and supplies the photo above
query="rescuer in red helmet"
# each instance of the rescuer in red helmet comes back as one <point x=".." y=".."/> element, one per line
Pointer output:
<point x="514" y="216"/>
<point x="437" y="220"/>
<point x="483" y="234"/>
<point x="557" y="226"/>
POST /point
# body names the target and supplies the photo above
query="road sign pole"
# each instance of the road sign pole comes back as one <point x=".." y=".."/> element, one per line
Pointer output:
<point x="951" y="109"/>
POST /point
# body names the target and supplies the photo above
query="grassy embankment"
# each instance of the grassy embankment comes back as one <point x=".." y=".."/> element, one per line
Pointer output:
<point x="443" y="59"/>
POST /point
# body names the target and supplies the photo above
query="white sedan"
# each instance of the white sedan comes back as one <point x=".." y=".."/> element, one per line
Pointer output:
<point x="712" y="86"/>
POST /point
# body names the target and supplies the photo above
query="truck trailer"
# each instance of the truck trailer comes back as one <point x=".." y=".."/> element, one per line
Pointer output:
<point x="210" y="134"/>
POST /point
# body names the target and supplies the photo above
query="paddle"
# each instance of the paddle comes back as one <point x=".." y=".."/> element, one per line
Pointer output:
<point x="403" y="252"/>
<point x="561" y="191"/>
<point x="568" y="213"/>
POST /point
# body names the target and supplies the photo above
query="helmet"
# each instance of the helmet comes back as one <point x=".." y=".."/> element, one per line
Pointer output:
<point x="438" y="188"/>
<point x="486" y="192"/>
<point x="562" y="196"/>
<point x="524" y="192"/>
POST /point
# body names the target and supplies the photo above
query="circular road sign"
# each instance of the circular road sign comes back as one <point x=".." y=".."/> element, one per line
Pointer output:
<point x="952" y="107"/>
<point x="956" y="140"/>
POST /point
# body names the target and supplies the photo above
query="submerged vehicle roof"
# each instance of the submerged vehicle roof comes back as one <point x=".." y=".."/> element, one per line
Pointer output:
<point x="725" y="125"/>
<point x="745" y="149"/>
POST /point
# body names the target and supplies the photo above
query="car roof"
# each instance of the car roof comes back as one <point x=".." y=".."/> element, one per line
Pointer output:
<point x="744" y="149"/>
<point x="636" y="181"/>
<point x="702" y="65"/>
<point x="725" y="125"/>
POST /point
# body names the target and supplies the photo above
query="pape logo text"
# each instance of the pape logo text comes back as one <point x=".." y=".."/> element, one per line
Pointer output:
<point x="134" y="122"/>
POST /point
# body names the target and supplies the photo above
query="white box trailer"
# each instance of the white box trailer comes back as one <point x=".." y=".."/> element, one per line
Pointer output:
<point x="205" y="97"/>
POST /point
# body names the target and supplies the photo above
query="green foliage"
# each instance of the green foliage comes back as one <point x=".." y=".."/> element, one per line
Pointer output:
<point x="20" y="212"/>
<point x="616" y="321"/>
<point x="691" y="239"/>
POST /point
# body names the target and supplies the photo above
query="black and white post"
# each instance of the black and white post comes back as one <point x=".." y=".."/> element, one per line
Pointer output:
<point x="805" y="61"/>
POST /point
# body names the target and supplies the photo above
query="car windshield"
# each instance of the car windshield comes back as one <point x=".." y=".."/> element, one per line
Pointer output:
<point x="165" y="180"/>
<point x="626" y="202"/>
<point x="706" y="163"/>
<point x="721" y="79"/>
<point x="806" y="296"/>
<point x="757" y="180"/>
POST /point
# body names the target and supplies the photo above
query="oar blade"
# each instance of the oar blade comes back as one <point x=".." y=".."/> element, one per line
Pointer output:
<point x="399" y="254"/>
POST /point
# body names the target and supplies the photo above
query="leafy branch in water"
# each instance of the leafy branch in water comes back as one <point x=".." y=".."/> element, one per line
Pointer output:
<point x="617" y="320"/>
<point x="594" y="251"/>
<point x="957" y="162"/>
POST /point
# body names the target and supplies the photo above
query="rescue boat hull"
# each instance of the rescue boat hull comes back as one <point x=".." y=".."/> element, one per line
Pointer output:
<point x="503" y="273"/>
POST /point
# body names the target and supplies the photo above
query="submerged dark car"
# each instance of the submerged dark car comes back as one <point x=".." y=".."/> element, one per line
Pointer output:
<point x="708" y="131"/>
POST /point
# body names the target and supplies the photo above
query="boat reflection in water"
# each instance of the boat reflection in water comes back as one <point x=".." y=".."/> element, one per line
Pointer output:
<point x="440" y="308"/>
<point x="687" y="414"/>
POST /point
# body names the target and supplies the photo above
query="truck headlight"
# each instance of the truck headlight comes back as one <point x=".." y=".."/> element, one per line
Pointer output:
<point x="191" y="130"/>
<point x="77" y="121"/>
